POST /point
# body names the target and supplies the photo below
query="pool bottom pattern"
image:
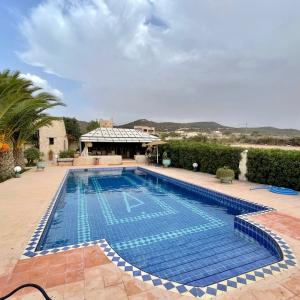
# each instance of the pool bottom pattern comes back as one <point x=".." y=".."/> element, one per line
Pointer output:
<point x="242" y="223"/>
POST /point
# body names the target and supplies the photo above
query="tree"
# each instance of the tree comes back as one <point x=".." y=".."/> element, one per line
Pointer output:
<point x="22" y="118"/>
<point x="72" y="128"/>
<point x="13" y="90"/>
<point x="92" y="125"/>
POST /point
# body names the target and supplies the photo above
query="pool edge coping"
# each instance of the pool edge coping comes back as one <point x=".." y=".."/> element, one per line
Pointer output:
<point x="288" y="258"/>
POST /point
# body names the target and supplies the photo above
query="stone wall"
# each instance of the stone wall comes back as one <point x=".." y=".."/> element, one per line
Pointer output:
<point x="102" y="160"/>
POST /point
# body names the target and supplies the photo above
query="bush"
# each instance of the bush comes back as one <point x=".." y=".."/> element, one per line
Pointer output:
<point x="32" y="155"/>
<point x="209" y="156"/>
<point x="274" y="167"/>
<point x="67" y="154"/>
<point x="224" y="172"/>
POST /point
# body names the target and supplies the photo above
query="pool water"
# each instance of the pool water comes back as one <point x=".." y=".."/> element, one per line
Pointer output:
<point x="155" y="225"/>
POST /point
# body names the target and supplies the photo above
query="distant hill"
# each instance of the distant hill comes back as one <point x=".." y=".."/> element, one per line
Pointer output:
<point x="209" y="126"/>
<point x="171" y="126"/>
<point x="272" y="131"/>
<point x="83" y="125"/>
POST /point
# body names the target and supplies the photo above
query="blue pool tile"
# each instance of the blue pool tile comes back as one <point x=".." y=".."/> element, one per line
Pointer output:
<point x="181" y="289"/>
<point x="169" y="285"/>
<point x="241" y="280"/>
<point x="137" y="273"/>
<point x="231" y="283"/>
<point x="146" y="277"/>
<point x="197" y="292"/>
<point x="157" y="282"/>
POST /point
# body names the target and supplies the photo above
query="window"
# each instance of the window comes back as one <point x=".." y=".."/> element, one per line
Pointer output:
<point x="51" y="141"/>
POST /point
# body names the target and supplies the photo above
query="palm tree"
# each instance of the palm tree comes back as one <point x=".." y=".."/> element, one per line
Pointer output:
<point x="30" y="122"/>
<point x="22" y="112"/>
<point x="10" y="95"/>
<point x="13" y="90"/>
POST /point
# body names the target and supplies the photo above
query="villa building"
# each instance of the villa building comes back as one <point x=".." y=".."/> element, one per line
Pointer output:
<point x="113" y="145"/>
<point x="53" y="139"/>
<point x="146" y="129"/>
<point x="115" y="141"/>
<point x="106" y="123"/>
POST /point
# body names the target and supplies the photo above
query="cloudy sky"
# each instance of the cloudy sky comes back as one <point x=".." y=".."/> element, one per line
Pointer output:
<point x="229" y="61"/>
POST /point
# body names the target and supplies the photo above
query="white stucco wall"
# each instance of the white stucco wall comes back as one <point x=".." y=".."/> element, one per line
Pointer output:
<point x="57" y="131"/>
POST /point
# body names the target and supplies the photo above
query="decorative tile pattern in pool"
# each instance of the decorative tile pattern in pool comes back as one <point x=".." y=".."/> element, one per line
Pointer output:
<point x="164" y="231"/>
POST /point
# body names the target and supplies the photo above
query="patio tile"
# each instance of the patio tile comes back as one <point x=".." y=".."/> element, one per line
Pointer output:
<point x="23" y="265"/>
<point x="112" y="292"/>
<point x="38" y="280"/>
<point x="282" y="223"/>
<point x="94" y="283"/>
<point x="155" y="293"/>
<point x="91" y="272"/>
<point x="93" y="256"/>
<point x="41" y="262"/>
<point x="17" y="279"/>
<point x="56" y="293"/>
<point x="271" y="292"/>
<point x="74" y="266"/>
<point x="126" y="277"/>
<point x="55" y="280"/>
<point x="53" y="269"/>
<point x="111" y="274"/>
<point x="74" y="291"/>
<point x="4" y="290"/>
<point x="293" y="284"/>
<point x="42" y="271"/>
<point x="135" y="286"/>
<point x="57" y="259"/>
<point x="33" y="296"/>
<point x="74" y="256"/>
<point x="3" y="280"/>
<point x="73" y="276"/>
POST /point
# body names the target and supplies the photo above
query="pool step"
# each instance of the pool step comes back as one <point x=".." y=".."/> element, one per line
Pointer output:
<point x="181" y="244"/>
<point x="198" y="263"/>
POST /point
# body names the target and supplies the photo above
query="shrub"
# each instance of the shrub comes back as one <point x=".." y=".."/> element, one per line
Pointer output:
<point x="67" y="154"/>
<point x="274" y="167"/>
<point x="32" y="155"/>
<point x="224" y="172"/>
<point x="209" y="156"/>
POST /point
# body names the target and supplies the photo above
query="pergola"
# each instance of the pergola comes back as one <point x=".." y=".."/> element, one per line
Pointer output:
<point x="120" y="141"/>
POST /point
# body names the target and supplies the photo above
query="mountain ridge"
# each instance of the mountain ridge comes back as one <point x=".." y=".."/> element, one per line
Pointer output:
<point x="172" y="126"/>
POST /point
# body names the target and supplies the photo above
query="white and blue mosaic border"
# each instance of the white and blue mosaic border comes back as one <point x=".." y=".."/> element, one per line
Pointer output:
<point x="242" y="223"/>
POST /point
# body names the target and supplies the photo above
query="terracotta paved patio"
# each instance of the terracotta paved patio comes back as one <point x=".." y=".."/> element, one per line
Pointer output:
<point x="86" y="273"/>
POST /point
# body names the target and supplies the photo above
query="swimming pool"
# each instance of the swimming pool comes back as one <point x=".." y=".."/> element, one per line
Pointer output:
<point x="177" y="232"/>
<point x="161" y="230"/>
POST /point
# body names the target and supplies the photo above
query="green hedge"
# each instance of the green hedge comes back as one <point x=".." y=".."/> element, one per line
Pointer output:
<point x="274" y="167"/>
<point x="209" y="156"/>
<point x="67" y="154"/>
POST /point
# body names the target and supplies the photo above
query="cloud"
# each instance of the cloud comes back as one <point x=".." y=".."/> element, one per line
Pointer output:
<point x="43" y="84"/>
<point x="230" y="61"/>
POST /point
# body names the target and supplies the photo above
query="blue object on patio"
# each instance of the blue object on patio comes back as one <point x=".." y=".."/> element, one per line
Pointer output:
<point x="283" y="191"/>
<point x="276" y="190"/>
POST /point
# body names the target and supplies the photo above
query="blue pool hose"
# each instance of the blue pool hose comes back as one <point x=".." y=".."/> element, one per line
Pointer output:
<point x="276" y="190"/>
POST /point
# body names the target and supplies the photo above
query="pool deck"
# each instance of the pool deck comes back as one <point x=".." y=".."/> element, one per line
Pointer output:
<point x="86" y="273"/>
